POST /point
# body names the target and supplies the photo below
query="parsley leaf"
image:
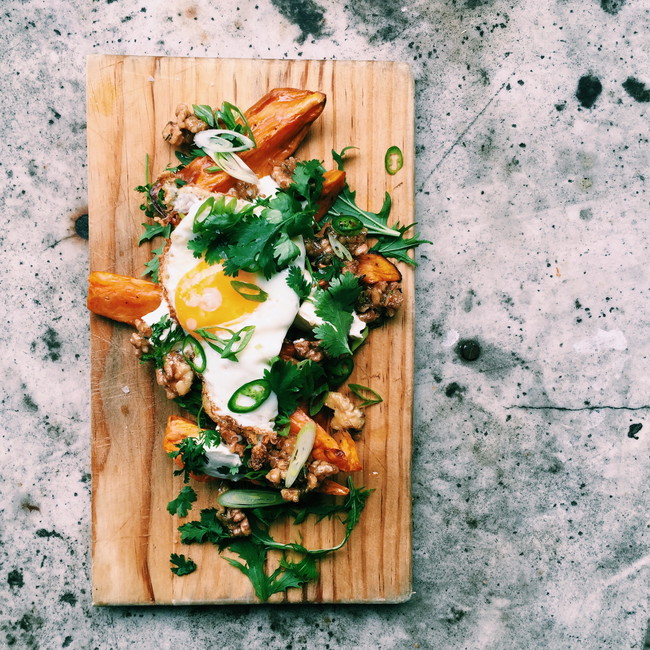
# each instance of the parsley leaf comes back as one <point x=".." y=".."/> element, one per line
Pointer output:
<point x="192" y="452"/>
<point x="297" y="281"/>
<point x="182" y="504"/>
<point x="184" y="566"/>
<point x="335" y="306"/>
<point x="288" y="574"/>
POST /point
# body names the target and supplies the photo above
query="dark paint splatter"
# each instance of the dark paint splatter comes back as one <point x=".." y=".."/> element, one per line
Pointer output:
<point x="612" y="6"/>
<point x="634" y="429"/>
<point x="81" y="226"/>
<point x="29" y="403"/>
<point x="469" y="350"/>
<point x="307" y="15"/>
<point x="69" y="598"/>
<point x="589" y="88"/>
<point x="637" y="90"/>
<point x="15" y="578"/>
<point x="560" y="107"/>
<point x="42" y="532"/>
<point x="586" y="214"/>
<point x="53" y="343"/>
<point x="454" y="389"/>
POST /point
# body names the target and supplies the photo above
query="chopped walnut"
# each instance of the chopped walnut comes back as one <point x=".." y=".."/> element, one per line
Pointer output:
<point x="346" y="415"/>
<point x="140" y="339"/>
<point x="283" y="174"/>
<point x="234" y="520"/>
<point x="183" y="129"/>
<point x="245" y="191"/>
<point x="290" y="494"/>
<point x="312" y="350"/>
<point x="175" y="376"/>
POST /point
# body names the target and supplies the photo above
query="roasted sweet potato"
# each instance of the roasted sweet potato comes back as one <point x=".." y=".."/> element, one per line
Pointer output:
<point x="333" y="184"/>
<point x="332" y="487"/>
<point x="374" y="268"/>
<point x="279" y="122"/>
<point x="348" y="445"/>
<point x="122" y="298"/>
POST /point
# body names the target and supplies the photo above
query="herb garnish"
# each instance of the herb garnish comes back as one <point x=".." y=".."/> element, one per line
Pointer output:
<point x="183" y="566"/>
<point x="182" y="504"/>
<point x="192" y="452"/>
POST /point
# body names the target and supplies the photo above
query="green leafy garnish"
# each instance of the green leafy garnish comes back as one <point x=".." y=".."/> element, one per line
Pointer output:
<point x="152" y="230"/>
<point x="335" y="306"/>
<point x="339" y="157"/>
<point x="366" y="394"/>
<point x="297" y="281"/>
<point x="207" y="529"/>
<point x="397" y="248"/>
<point x="165" y="337"/>
<point x="183" y="566"/>
<point x="228" y="117"/>
<point x="182" y="504"/>
<point x="192" y="452"/>
<point x="228" y="348"/>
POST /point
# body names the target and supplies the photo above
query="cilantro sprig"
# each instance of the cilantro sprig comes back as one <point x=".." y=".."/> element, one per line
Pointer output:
<point x="182" y="504"/>
<point x="182" y="566"/>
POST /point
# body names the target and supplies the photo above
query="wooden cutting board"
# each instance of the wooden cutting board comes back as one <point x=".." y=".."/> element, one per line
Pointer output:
<point x="370" y="106"/>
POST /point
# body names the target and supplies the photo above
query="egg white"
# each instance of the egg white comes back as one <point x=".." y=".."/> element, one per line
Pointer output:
<point x="271" y="319"/>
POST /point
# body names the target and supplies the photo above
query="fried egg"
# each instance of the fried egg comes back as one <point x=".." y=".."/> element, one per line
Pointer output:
<point x="200" y="296"/>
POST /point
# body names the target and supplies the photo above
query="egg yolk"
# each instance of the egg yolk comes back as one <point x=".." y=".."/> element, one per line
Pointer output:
<point x="205" y="297"/>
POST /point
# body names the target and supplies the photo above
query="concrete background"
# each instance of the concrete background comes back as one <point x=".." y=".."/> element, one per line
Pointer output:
<point x="531" y="468"/>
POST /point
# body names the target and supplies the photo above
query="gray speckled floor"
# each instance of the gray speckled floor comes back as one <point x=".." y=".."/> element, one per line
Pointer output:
<point x="531" y="467"/>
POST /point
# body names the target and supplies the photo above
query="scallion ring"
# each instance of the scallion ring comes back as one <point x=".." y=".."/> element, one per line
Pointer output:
<point x="301" y="450"/>
<point x="347" y="225"/>
<point x="394" y="160"/>
<point x="249" y="396"/>
<point x="196" y="351"/>
<point x="249" y="291"/>
<point x="339" y="250"/>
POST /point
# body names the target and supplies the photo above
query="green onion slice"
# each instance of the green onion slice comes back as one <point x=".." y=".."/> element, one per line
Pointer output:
<point x="214" y="168"/>
<point x="394" y="160"/>
<point x="196" y="351"/>
<point x="304" y="444"/>
<point x="249" y="396"/>
<point x="205" y="209"/>
<point x="366" y="394"/>
<point x="347" y="225"/>
<point x="250" y="499"/>
<point x="249" y="291"/>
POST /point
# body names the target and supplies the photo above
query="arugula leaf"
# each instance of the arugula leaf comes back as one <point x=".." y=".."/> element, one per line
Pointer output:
<point x="184" y="566"/>
<point x="208" y="529"/>
<point x="340" y="156"/>
<point x="335" y="306"/>
<point x="152" y="230"/>
<point x="297" y="281"/>
<point x="182" y="504"/>
<point x="288" y="574"/>
<point x="397" y="248"/>
<point x="375" y="222"/>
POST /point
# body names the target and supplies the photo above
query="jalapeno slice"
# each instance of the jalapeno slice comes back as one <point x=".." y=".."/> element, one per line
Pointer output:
<point x="197" y="352"/>
<point x="347" y="225"/>
<point x="394" y="160"/>
<point x="249" y="396"/>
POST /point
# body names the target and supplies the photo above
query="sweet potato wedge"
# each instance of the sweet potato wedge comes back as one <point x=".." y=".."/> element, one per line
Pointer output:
<point x="333" y="184"/>
<point x="347" y="444"/>
<point x="279" y="121"/>
<point x="332" y="487"/>
<point x="374" y="268"/>
<point x="120" y="297"/>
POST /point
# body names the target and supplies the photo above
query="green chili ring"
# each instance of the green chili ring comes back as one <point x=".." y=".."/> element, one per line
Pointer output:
<point x="257" y="390"/>
<point x="347" y="225"/>
<point x="197" y="349"/>
<point x="394" y="160"/>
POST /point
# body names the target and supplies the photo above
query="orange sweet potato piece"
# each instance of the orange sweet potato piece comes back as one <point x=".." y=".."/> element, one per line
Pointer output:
<point x="120" y="297"/>
<point x="325" y="447"/>
<point x="279" y="121"/>
<point x="376" y="268"/>
<point x="333" y="184"/>
<point x="347" y="444"/>
<point x="177" y="430"/>
<point x="332" y="487"/>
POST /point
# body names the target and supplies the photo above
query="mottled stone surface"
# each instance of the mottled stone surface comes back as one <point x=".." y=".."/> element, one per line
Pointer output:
<point x="531" y="467"/>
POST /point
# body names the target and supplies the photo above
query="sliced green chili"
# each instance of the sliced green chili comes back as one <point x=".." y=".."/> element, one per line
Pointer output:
<point x="249" y="291"/>
<point x="394" y="160"/>
<point x="249" y="396"/>
<point x="359" y="391"/>
<point x="196" y="351"/>
<point x="347" y="225"/>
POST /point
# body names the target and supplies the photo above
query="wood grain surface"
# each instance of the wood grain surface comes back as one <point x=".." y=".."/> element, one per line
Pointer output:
<point x="370" y="106"/>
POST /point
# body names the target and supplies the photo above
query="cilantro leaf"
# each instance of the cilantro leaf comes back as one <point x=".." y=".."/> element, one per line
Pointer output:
<point x="288" y="574"/>
<point x="208" y="529"/>
<point x="297" y="281"/>
<point x="182" y="504"/>
<point x="191" y="451"/>
<point x="335" y="305"/>
<point x="184" y="566"/>
<point x="308" y="180"/>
